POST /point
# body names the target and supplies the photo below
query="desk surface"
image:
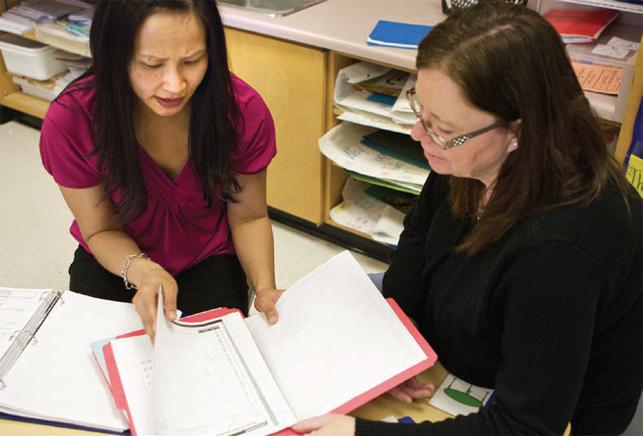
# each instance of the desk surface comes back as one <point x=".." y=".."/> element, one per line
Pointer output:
<point x="377" y="409"/>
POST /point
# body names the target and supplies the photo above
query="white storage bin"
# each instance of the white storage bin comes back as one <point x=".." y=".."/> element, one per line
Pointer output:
<point x="29" y="58"/>
<point x="47" y="90"/>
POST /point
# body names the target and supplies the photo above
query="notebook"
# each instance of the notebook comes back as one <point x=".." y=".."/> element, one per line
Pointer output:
<point x="46" y="370"/>
<point x="337" y="345"/>
<point x="399" y="35"/>
<point x="580" y="25"/>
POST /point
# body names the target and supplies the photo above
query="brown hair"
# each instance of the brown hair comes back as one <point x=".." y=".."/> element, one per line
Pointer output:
<point x="510" y="62"/>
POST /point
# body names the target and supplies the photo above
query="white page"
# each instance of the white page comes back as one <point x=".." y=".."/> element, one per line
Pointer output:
<point x="134" y="360"/>
<point x="372" y="120"/>
<point x="16" y="308"/>
<point x="358" y="211"/>
<point x="389" y="227"/>
<point x="209" y="379"/>
<point x="193" y="383"/>
<point x="342" y="144"/>
<point x="402" y="103"/>
<point x="360" y="72"/>
<point x="336" y="338"/>
<point x="56" y="377"/>
<point x="358" y="100"/>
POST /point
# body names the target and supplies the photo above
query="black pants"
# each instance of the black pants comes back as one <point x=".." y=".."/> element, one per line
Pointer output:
<point x="217" y="281"/>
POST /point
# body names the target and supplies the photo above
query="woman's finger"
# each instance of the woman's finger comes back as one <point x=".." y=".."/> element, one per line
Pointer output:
<point x="400" y="395"/>
<point x="145" y="304"/>
<point x="310" y="424"/>
<point x="266" y="301"/>
<point x="170" y="293"/>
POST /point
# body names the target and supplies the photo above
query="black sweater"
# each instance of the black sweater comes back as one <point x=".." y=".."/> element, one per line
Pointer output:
<point x="549" y="317"/>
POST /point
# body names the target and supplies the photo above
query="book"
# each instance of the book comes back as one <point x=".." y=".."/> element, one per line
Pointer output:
<point x="337" y="345"/>
<point x="580" y="25"/>
<point x="398" y="35"/>
<point x="46" y="369"/>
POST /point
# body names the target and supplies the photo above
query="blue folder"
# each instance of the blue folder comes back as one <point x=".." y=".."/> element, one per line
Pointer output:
<point x="400" y="35"/>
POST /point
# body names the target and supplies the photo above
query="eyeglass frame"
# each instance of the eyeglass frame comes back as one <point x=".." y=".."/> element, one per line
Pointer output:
<point x="445" y="144"/>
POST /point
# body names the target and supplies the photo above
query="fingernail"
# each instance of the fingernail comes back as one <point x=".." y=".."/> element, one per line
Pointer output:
<point x="172" y="315"/>
<point x="272" y="319"/>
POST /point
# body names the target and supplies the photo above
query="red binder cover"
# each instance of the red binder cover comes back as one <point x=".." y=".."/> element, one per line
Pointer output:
<point x="120" y="399"/>
<point x="580" y="25"/>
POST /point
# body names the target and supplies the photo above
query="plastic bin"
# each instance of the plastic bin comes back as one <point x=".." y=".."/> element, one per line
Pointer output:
<point x="25" y="57"/>
<point x="47" y="90"/>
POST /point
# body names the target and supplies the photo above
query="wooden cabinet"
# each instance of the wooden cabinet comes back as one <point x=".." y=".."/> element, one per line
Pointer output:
<point x="292" y="80"/>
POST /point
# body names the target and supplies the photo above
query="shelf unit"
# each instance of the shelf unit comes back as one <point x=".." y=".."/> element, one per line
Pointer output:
<point x="306" y="205"/>
<point x="627" y="26"/>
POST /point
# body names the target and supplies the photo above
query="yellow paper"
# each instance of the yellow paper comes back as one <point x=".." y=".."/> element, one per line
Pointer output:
<point x="634" y="173"/>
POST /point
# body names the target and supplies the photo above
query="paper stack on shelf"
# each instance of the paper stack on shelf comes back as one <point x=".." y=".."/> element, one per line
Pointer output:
<point x="13" y="23"/>
<point x="39" y="10"/>
<point x="387" y="171"/>
<point x="45" y="89"/>
<point x="375" y="96"/>
<point x="343" y="145"/>
<point x="615" y="48"/>
<point x="56" y="35"/>
<point x="23" y="17"/>
<point x="367" y="214"/>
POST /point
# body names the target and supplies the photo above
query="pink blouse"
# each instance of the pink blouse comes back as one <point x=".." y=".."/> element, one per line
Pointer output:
<point x="176" y="229"/>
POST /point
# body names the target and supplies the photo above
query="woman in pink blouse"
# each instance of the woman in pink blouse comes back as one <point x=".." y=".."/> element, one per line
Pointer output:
<point x="161" y="155"/>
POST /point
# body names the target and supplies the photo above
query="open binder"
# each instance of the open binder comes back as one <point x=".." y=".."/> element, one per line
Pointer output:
<point x="46" y="368"/>
<point x="338" y="344"/>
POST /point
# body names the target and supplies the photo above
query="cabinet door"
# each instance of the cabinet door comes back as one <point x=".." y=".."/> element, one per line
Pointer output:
<point x="292" y="80"/>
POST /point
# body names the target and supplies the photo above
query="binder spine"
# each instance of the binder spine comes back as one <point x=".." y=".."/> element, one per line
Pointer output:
<point x="22" y="338"/>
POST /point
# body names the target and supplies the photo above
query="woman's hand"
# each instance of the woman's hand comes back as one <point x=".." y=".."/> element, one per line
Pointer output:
<point x="327" y="425"/>
<point x="265" y="300"/>
<point x="412" y="389"/>
<point x="150" y="277"/>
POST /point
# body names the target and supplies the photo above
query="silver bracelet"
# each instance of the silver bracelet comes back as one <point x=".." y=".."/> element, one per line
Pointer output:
<point x="128" y="261"/>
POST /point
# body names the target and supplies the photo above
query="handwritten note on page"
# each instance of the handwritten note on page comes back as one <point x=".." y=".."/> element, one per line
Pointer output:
<point x="598" y="78"/>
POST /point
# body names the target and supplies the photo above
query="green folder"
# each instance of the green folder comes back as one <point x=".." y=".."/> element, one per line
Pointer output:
<point x="398" y="146"/>
<point x="401" y="201"/>
<point x="380" y="182"/>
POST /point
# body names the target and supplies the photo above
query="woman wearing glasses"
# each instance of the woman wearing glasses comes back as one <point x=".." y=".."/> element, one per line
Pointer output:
<point x="521" y="262"/>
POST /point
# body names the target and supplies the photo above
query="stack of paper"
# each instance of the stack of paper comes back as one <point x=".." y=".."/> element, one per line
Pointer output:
<point x="14" y="23"/>
<point x="344" y="145"/>
<point x="57" y="35"/>
<point x="367" y="214"/>
<point x="387" y="110"/>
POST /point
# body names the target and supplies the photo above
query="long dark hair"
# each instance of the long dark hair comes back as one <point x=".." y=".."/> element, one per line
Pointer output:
<point x="214" y="110"/>
<point x="510" y="62"/>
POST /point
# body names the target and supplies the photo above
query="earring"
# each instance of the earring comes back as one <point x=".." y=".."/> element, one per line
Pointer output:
<point x="514" y="144"/>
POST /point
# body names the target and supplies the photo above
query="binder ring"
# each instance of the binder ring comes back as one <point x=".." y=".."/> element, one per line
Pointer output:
<point x="16" y="333"/>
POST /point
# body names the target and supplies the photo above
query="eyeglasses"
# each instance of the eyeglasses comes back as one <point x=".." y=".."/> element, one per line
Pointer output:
<point x="445" y="143"/>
